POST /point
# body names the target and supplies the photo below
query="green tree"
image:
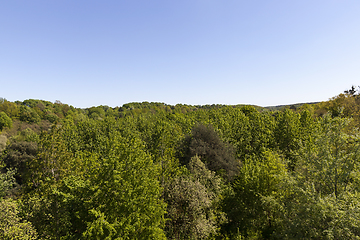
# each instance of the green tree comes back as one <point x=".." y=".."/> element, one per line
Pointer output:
<point x="29" y="115"/>
<point x="10" y="108"/>
<point x="126" y="193"/>
<point x="46" y="202"/>
<point x="323" y="198"/>
<point x="50" y="116"/>
<point x="5" y="121"/>
<point x="192" y="203"/>
<point x="248" y="203"/>
<point x="11" y="225"/>
<point x="161" y="137"/>
<point x="287" y="135"/>
<point x="96" y="113"/>
<point x="333" y="156"/>
<point x="217" y="155"/>
<point x="94" y="180"/>
<point x="18" y="155"/>
<point x="7" y="182"/>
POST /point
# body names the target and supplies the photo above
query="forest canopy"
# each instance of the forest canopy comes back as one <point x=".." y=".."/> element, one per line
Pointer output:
<point x="158" y="171"/>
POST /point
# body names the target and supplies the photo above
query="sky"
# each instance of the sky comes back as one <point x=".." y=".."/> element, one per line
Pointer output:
<point x="262" y="52"/>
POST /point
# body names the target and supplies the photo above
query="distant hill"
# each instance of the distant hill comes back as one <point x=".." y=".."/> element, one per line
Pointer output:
<point x="291" y="106"/>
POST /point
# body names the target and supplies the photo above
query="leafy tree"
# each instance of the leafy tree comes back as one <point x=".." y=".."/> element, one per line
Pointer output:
<point x="11" y="225"/>
<point x="161" y="137"/>
<point x="7" y="182"/>
<point x="310" y="215"/>
<point x="322" y="199"/>
<point x="46" y="204"/>
<point x="10" y="108"/>
<point x="90" y="181"/>
<point x="287" y="135"/>
<point x="247" y="204"/>
<point x="29" y="115"/>
<point x="346" y="104"/>
<point x="217" y="155"/>
<point x="261" y="127"/>
<point x="126" y="193"/>
<point x="96" y="113"/>
<point x="332" y="157"/>
<point x="50" y="116"/>
<point x="5" y="121"/>
<point x="18" y="155"/>
<point x="192" y="202"/>
<point x="352" y="91"/>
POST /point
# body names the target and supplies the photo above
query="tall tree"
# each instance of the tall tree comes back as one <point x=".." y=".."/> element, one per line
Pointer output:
<point x="247" y="203"/>
<point x="192" y="203"/>
<point x="93" y="180"/>
<point x="217" y="155"/>
<point x="323" y="199"/>
<point x="287" y="135"/>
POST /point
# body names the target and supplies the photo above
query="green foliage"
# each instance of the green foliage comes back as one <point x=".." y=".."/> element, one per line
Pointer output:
<point x="191" y="199"/>
<point x="7" y="182"/>
<point x="91" y="181"/>
<point x="247" y="204"/>
<point x="11" y="225"/>
<point x="308" y="215"/>
<point x="18" y="155"/>
<point x="96" y="113"/>
<point x="114" y="173"/>
<point x="332" y="157"/>
<point x="322" y="199"/>
<point x="28" y="115"/>
<point x="217" y="155"/>
<point x="5" y="121"/>
<point x="51" y="117"/>
<point x="287" y="135"/>
<point x="10" y="108"/>
<point x="125" y="193"/>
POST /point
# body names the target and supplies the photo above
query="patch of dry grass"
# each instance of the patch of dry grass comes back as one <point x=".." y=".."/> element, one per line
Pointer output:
<point x="3" y="140"/>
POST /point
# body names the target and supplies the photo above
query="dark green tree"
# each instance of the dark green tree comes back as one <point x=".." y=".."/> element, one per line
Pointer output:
<point x="217" y="155"/>
<point x="18" y="155"/>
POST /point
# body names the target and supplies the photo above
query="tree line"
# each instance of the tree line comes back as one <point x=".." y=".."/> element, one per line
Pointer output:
<point x="157" y="171"/>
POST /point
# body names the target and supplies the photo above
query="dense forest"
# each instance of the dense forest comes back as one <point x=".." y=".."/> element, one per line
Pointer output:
<point x="158" y="171"/>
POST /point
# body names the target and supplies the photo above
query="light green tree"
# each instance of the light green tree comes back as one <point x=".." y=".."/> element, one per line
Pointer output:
<point x="250" y="204"/>
<point x="29" y="115"/>
<point x="11" y="225"/>
<point x="322" y="200"/>
<point x="126" y="192"/>
<point x="5" y="121"/>
<point x="332" y="157"/>
<point x="287" y="135"/>
<point x="94" y="180"/>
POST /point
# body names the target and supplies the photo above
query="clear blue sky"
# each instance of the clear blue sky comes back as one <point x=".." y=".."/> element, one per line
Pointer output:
<point x="264" y="52"/>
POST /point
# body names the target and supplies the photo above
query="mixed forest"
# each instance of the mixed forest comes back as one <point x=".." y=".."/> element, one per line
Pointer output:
<point x="158" y="171"/>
